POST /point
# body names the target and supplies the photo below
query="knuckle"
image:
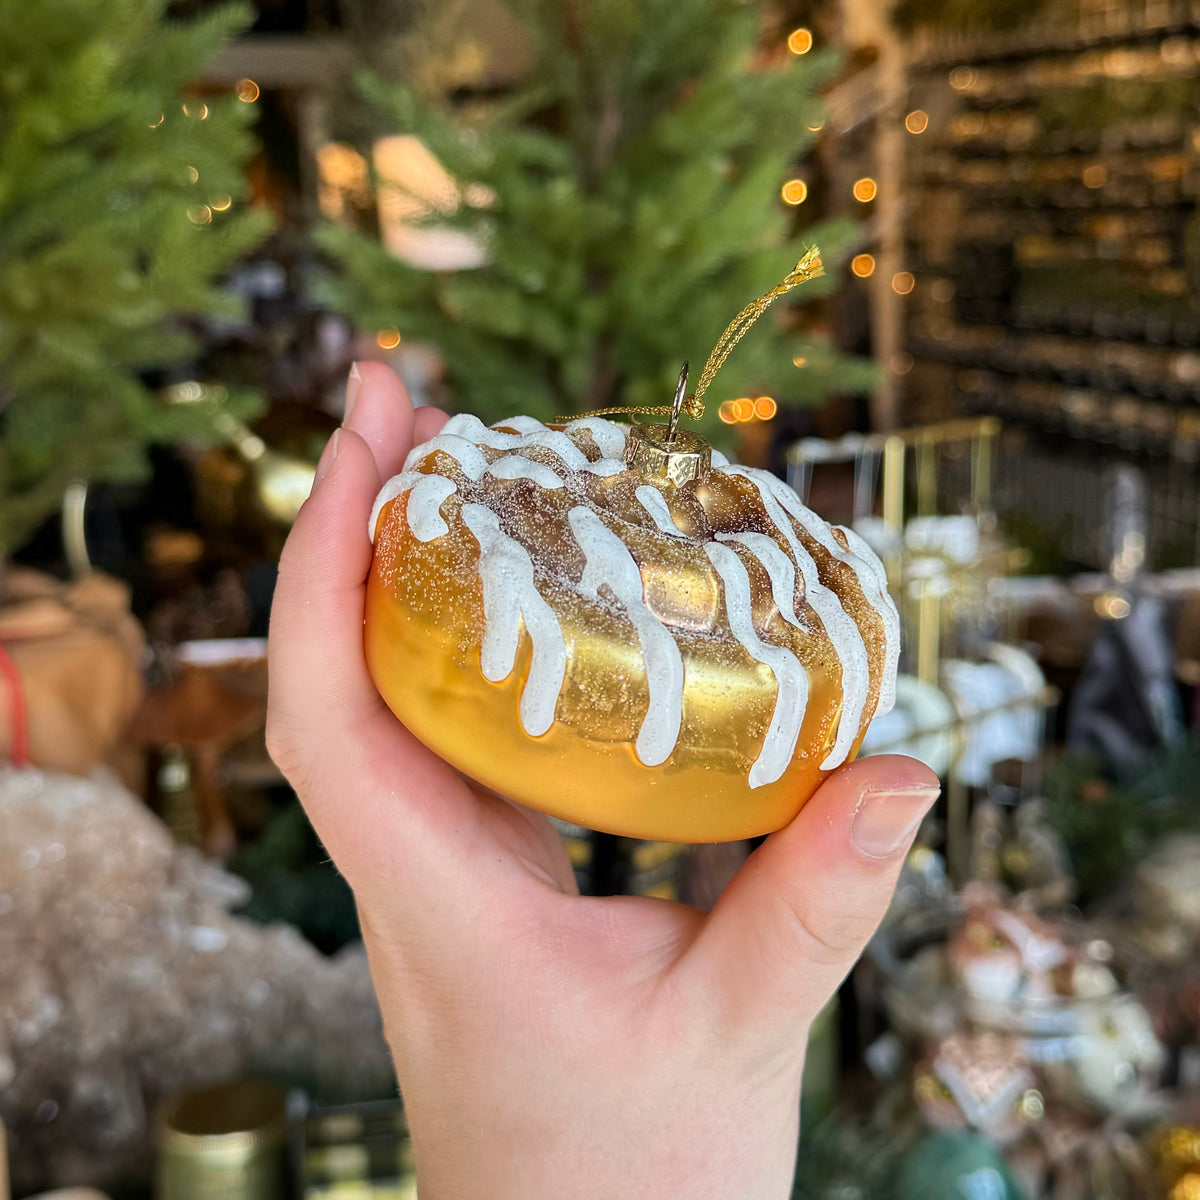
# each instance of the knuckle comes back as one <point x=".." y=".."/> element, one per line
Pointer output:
<point x="828" y="937"/>
<point x="286" y="750"/>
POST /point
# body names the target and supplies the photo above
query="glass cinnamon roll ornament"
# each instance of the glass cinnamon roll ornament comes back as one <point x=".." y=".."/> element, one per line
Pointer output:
<point x="614" y="625"/>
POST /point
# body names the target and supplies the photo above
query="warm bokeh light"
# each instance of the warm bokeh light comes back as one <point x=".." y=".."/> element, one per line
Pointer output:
<point x="795" y="191"/>
<point x="343" y="180"/>
<point x="865" y="189"/>
<point x="1111" y="605"/>
<point x="221" y="204"/>
<point x="863" y="265"/>
<point x="197" y="111"/>
<point x="247" y="91"/>
<point x="161" y="118"/>
<point x="389" y="338"/>
<point x="963" y="79"/>
<point x="901" y="362"/>
<point x="800" y="41"/>
<point x="743" y="408"/>
<point x="1095" y="175"/>
<point x="816" y="126"/>
<point x="200" y="214"/>
<point x="193" y="175"/>
<point x="917" y="121"/>
<point x="800" y="361"/>
<point x="903" y="283"/>
<point x="765" y="408"/>
<point x="726" y="413"/>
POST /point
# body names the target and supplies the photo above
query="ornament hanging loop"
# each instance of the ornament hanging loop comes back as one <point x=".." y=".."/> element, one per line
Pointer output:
<point x="677" y="404"/>
<point x="691" y="404"/>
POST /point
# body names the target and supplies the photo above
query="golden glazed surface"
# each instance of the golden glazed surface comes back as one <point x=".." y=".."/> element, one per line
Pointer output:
<point x="658" y="659"/>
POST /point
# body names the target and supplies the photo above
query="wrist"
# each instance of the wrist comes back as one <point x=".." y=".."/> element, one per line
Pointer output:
<point x="589" y="1147"/>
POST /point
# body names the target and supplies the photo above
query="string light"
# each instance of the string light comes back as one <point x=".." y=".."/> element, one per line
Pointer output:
<point x="903" y="282"/>
<point x="247" y="91"/>
<point x="800" y="361"/>
<point x="816" y="126"/>
<point x="863" y="265"/>
<point x="963" y="79"/>
<point x="198" y="112"/>
<point x="865" y="189"/>
<point x="193" y="175"/>
<point x="795" y="191"/>
<point x="221" y="204"/>
<point x="743" y="410"/>
<point x="200" y="214"/>
<point x="389" y="338"/>
<point x="800" y="41"/>
<point x="917" y="121"/>
<point x="155" y="124"/>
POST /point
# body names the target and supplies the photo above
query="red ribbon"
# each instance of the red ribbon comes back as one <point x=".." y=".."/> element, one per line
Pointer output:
<point x="19" y="721"/>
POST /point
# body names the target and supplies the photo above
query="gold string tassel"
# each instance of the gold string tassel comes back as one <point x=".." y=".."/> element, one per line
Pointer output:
<point x="809" y="267"/>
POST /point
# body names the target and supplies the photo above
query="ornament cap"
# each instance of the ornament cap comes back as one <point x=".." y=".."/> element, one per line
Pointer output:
<point x="663" y="459"/>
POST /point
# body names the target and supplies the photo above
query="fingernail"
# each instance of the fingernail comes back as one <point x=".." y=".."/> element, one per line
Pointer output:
<point x="326" y="460"/>
<point x="353" y="387"/>
<point x="886" y="820"/>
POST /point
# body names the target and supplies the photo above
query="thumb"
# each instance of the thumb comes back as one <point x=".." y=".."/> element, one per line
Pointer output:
<point x="791" y="924"/>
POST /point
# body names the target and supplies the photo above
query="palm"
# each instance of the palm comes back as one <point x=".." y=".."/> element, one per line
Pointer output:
<point x="537" y="871"/>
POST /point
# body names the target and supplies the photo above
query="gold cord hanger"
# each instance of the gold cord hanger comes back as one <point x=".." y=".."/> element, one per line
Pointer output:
<point x="692" y="404"/>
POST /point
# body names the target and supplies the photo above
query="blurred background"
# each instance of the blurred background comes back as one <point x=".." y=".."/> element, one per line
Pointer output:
<point x="209" y="211"/>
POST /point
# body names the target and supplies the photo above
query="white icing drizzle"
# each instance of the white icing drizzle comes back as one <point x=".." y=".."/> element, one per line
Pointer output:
<point x="866" y="567"/>
<point x="791" y="698"/>
<point x="390" y="490"/>
<point x="609" y="437"/>
<point x="510" y="597"/>
<point x="885" y="606"/>
<point x="604" y="467"/>
<point x="779" y="569"/>
<point x="468" y="455"/>
<point x="651" y="499"/>
<point x="608" y="561"/>
<point x="521" y="424"/>
<point x="467" y="426"/>
<point x="842" y="630"/>
<point x="515" y="466"/>
<point x="425" y="504"/>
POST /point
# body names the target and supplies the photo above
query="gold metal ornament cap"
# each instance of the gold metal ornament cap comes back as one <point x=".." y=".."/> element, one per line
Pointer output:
<point x="661" y="460"/>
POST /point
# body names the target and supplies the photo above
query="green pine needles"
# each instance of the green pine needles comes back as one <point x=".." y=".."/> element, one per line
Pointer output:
<point x="627" y="198"/>
<point x="111" y="230"/>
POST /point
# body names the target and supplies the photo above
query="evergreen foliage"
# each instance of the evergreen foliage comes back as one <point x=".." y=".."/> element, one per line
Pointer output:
<point x="106" y="239"/>
<point x="628" y="196"/>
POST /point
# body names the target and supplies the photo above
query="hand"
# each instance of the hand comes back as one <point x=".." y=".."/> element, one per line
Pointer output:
<point x="548" y="1045"/>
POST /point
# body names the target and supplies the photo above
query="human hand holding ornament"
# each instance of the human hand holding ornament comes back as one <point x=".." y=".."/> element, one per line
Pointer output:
<point x="549" y="1044"/>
